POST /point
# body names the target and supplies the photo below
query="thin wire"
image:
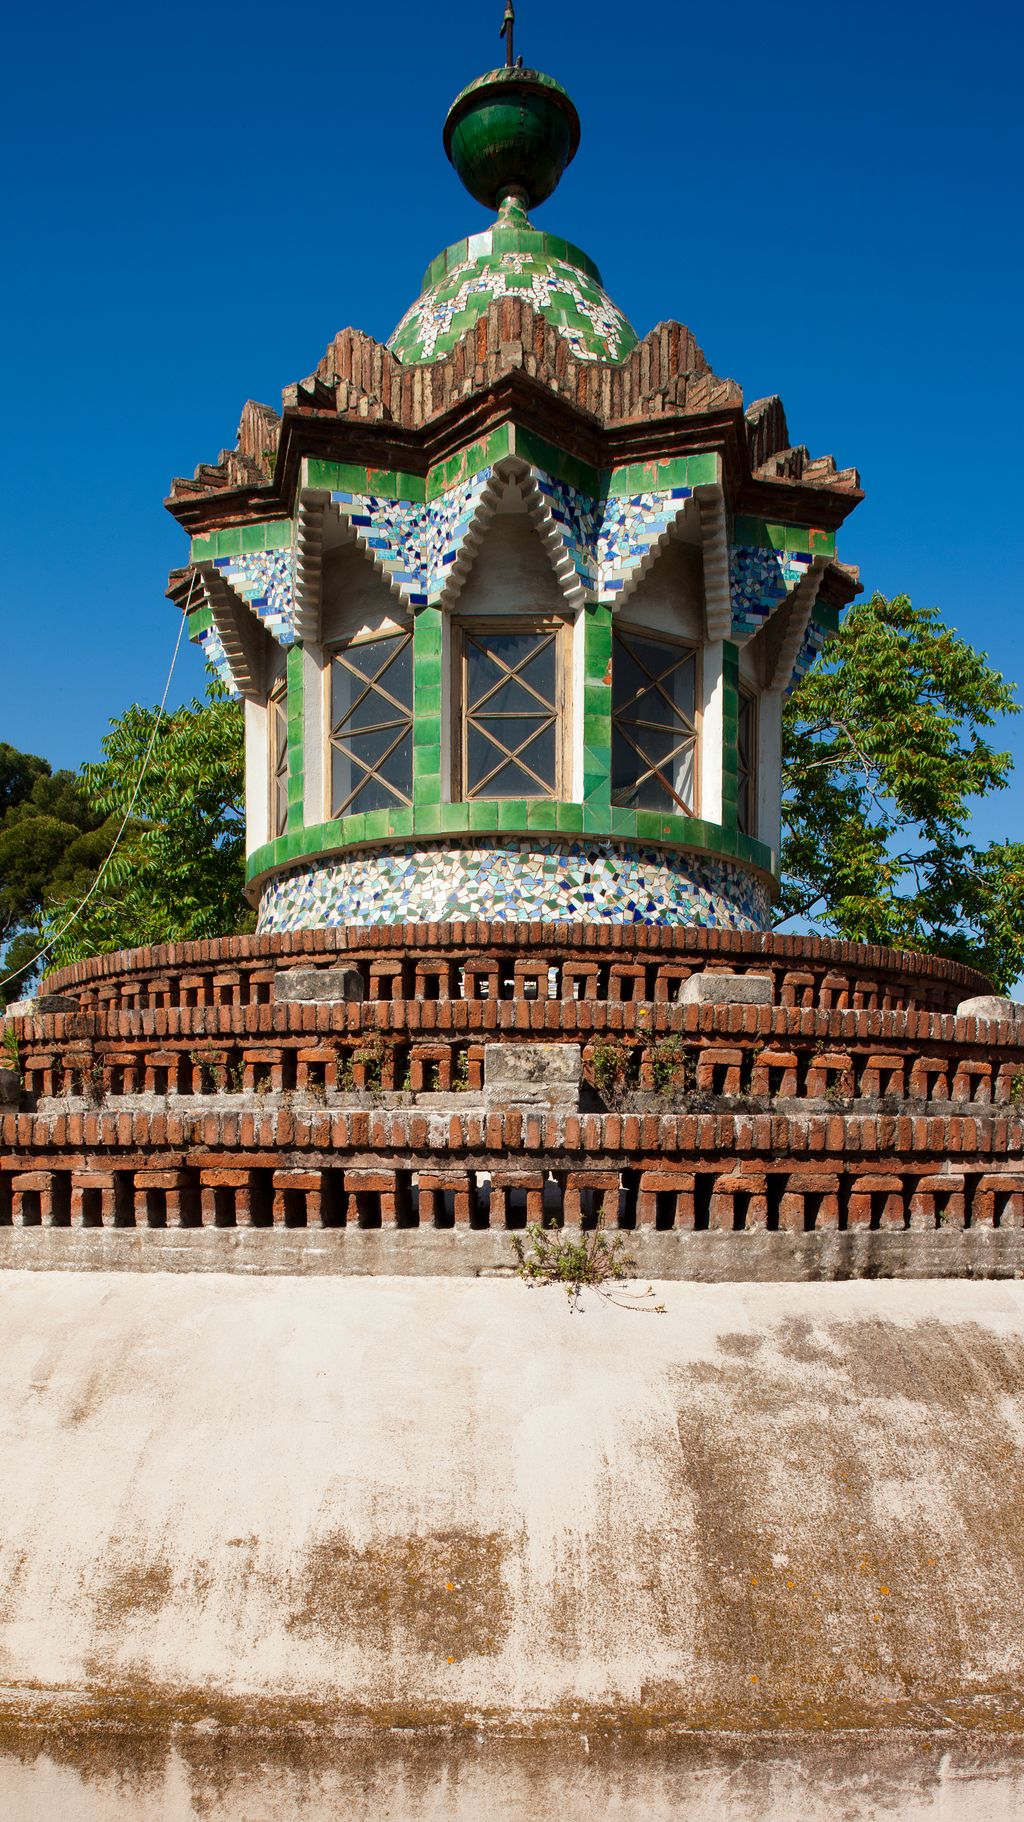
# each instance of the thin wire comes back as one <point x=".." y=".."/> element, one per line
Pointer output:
<point x="76" y="914"/>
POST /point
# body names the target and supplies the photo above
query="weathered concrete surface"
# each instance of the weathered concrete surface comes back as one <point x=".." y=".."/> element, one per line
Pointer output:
<point x="300" y="1548"/>
<point x="751" y="1256"/>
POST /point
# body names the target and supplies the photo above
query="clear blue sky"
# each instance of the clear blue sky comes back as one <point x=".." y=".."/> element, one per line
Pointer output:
<point x="199" y="197"/>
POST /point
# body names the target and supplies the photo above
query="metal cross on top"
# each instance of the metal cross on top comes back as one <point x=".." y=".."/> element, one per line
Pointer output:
<point x="508" y="32"/>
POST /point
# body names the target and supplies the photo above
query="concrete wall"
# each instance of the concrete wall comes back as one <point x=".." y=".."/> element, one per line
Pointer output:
<point x="287" y="1547"/>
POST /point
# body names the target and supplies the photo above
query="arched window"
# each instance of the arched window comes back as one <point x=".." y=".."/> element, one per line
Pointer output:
<point x="654" y="722"/>
<point x="277" y="750"/>
<point x="370" y="721"/>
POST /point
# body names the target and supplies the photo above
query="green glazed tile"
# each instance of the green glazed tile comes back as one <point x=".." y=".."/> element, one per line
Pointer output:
<point x="483" y="816"/>
<point x="454" y="817"/>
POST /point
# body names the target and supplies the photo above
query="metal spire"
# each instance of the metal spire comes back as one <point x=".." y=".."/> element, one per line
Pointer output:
<point x="508" y="32"/>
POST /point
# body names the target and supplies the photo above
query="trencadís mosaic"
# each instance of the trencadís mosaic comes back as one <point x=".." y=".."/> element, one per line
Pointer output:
<point x="516" y="881"/>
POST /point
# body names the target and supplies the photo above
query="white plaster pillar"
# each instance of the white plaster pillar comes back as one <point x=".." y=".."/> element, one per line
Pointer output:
<point x="257" y="775"/>
<point x="712" y="721"/>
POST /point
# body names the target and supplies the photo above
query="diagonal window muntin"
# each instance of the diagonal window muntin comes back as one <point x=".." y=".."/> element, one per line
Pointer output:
<point x="649" y="718"/>
<point x="277" y="707"/>
<point x="372" y="676"/>
<point x="746" y="761"/>
<point x="511" y="681"/>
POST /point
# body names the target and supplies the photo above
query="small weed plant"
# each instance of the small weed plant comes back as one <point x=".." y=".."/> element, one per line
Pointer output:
<point x="10" y="1056"/>
<point x="546" y="1255"/>
<point x="1017" y="1089"/>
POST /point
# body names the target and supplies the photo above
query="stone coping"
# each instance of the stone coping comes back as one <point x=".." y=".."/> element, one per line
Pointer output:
<point x="427" y="1252"/>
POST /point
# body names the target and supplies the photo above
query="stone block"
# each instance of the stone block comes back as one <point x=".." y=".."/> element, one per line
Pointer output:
<point x="318" y="986"/>
<point x="10" y="1088"/>
<point x="990" y="1006"/>
<point x="532" y="1074"/>
<point x="726" y="990"/>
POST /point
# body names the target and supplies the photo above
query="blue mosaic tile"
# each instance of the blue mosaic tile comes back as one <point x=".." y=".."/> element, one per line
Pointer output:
<point x="417" y="546"/>
<point x="760" y="579"/>
<point x="265" y="581"/>
<point x="517" y="881"/>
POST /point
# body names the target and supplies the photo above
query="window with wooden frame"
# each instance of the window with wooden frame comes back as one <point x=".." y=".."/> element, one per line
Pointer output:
<point x="277" y="754"/>
<point x="512" y="685"/>
<point x="655" y="691"/>
<point x="746" y="763"/>
<point x="369" y="719"/>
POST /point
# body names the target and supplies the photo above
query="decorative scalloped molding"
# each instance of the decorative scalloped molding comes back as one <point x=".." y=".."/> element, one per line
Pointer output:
<point x="310" y="520"/>
<point x="513" y="471"/>
<point x="236" y="626"/>
<point x="715" y="539"/>
<point x="634" y="575"/>
<point x="801" y="602"/>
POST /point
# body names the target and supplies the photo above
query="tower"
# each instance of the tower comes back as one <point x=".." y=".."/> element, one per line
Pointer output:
<point x="514" y="601"/>
<point x="310" y="1506"/>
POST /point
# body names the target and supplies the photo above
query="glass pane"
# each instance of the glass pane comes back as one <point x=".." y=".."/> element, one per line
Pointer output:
<point x="539" y="672"/>
<point x="625" y="766"/>
<point x="658" y="745"/>
<point x="682" y="687"/>
<point x="513" y="781"/>
<point x="490" y="656"/>
<point x="484" y="758"/>
<point x="508" y="698"/>
<point x="395" y="675"/>
<point x="396" y="769"/>
<point x="374" y="711"/>
<point x="369" y="749"/>
<point x="657" y="658"/>
<point x="342" y="779"/>
<point x="651" y="706"/>
<point x="628" y="680"/>
<point x="370" y="656"/>
<point x="344" y="690"/>
<point x="372" y="795"/>
<point x="509" y="731"/>
<point x="683" y="780"/>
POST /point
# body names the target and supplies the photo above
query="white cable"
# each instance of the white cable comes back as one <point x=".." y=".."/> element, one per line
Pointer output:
<point x="76" y="914"/>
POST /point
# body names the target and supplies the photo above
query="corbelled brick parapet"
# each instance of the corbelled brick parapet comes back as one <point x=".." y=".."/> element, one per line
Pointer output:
<point x="393" y="1080"/>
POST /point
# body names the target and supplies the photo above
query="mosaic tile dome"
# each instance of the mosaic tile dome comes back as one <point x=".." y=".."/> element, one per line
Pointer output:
<point x="513" y="259"/>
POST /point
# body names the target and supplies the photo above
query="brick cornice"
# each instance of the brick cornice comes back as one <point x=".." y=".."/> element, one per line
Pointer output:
<point x="363" y="406"/>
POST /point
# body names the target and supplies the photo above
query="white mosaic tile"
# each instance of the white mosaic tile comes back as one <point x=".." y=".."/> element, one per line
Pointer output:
<point x="517" y="881"/>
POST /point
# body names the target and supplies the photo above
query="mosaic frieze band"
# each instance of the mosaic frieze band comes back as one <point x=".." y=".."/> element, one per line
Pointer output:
<point x="607" y="536"/>
<point x="516" y="881"/>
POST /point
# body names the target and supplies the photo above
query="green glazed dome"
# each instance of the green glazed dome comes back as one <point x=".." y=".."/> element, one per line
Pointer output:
<point x="512" y="259"/>
<point x="512" y="133"/>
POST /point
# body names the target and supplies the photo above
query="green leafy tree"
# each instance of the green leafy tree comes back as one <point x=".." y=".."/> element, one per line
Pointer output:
<point x="52" y="840"/>
<point x="885" y="750"/>
<point x="178" y="872"/>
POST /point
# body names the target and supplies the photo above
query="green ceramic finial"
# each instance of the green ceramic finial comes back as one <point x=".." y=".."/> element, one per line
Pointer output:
<point x="511" y="133"/>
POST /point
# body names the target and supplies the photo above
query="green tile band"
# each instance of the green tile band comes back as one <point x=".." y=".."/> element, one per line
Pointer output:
<point x="242" y="540"/>
<point x="506" y="818"/>
<point x="296" y="738"/>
